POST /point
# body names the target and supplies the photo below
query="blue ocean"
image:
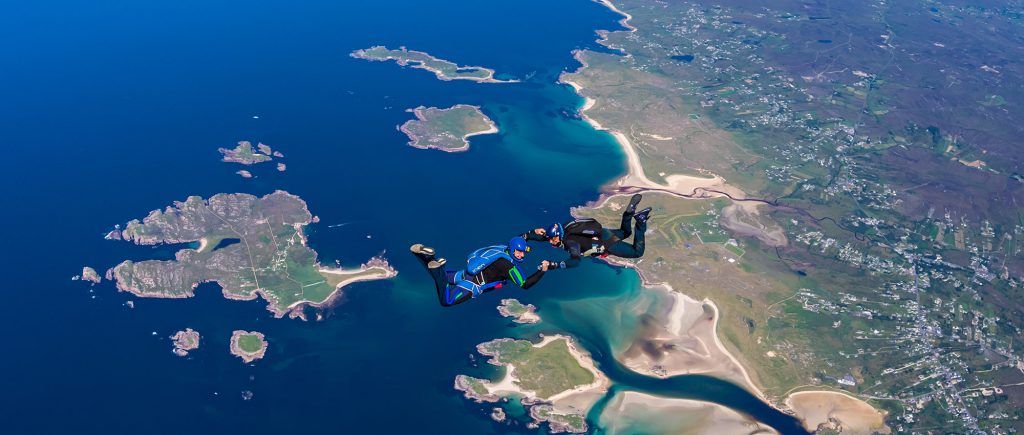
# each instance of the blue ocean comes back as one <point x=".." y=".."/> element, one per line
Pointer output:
<point x="112" y="109"/>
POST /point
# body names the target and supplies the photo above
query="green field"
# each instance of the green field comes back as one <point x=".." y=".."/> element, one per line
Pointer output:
<point x="547" y="370"/>
<point x="250" y="343"/>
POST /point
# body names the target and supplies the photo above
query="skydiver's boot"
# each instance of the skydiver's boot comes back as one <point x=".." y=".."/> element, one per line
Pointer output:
<point x="633" y="202"/>
<point x="422" y="251"/>
<point x="642" y="216"/>
<point x="435" y="264"/>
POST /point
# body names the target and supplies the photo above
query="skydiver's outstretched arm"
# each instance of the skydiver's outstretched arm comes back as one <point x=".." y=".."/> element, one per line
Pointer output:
<point x="536" y="235"/>
<point x="574" y="256"/>
<point x="516" y="276"/>
<point x="530" y="280"/>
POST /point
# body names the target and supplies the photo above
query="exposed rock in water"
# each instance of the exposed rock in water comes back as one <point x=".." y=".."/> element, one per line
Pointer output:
<point x="185" y="341"/>
<point x="558" y="422"/>
<point x="243" y="154"/>
<point x="89" y="274"/>
<point x="475" y="389"/>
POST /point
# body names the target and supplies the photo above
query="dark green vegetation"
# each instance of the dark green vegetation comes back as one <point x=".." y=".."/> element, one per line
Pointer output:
<point x="271" y="258"/>
<point x="444" y="69"/>
<point x="446" y="129"/>
<point x="889" y="156"/>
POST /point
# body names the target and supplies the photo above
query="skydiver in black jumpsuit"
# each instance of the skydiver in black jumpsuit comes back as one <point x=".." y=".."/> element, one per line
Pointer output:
<point x="586" y="237"/>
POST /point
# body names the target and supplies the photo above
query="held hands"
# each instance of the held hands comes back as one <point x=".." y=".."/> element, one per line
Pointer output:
<point x="544" y="265"/>
<point x="540" y="232"/>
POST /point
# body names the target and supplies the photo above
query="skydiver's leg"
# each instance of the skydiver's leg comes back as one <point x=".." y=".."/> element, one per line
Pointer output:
<point x="610" y="235"/>
<point x="625" y="227"/>
<point x="448" y="293"/>
<point x="453" y="294"/>
<point x="631" y="250"/>
<point x="624" y="230"/>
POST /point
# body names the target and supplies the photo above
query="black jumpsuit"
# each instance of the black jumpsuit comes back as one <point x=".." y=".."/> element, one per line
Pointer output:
<point x="610" y="242"/>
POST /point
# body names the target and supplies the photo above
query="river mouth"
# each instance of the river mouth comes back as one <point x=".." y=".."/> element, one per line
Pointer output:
<point x="616" y="319"/>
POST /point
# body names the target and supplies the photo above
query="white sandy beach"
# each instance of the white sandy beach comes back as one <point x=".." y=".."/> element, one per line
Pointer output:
<point x="688" y="337"/>
<point x="691" y="338"/>
<point x="678" y="416"/>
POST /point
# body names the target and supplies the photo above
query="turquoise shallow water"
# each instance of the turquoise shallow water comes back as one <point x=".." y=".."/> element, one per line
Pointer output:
<point x="112" y="110"/>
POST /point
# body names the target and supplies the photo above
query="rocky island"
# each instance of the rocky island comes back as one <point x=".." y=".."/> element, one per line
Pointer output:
<point x="519" y="312"/>
<point x="556" y="380"/>
<point x="185" y="341"/>
<point x="559" y="422"/>
<point x="249" y="346"/>
<point x="446" y="129"/>
<point x="244" y="154"/>
<point x="443" y="69"/>
<point x="251" y="246"/>
<point x="89" y="274"/>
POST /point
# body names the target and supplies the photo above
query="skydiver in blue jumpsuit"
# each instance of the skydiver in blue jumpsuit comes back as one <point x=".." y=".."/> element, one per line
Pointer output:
<point x="487" y="269"/>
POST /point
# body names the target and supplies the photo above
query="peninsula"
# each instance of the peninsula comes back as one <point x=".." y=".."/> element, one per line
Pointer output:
<point x="251" y="246"/>
<point x="446" y="129"/>
<point x="249" y="346"/>
<point x="443" y="69"/>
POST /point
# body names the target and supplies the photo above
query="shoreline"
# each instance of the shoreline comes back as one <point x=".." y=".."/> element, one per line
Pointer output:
<point x="385" y="271"/>
<point x="248" y="357"/>
<point x="635" y="180"/>
<point x="418" y="112"/>
<point x="674" y="318"/>
<point x="697" y="416"/>
<point x="418" y="64"/>
<point x="635" y="177"/>
<point x="529" y="316"/>
<point x="184" y="341"/>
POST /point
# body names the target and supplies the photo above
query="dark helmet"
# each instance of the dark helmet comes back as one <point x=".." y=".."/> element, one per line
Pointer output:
<point x="556" y="230"/>
<point x="517" y="244"/>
